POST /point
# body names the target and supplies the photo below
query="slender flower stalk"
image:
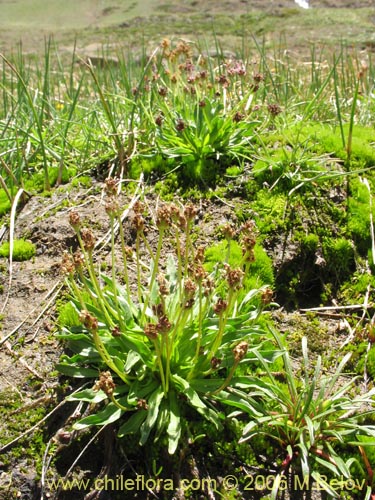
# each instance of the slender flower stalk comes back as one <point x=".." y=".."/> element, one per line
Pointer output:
<point x="147" y="245"/>
<point x="163" y="378"/>
<point x="138" y="257"/>
<point x="91" y="324"/>
<point x="113" y="270"/>
<point x="239" y="353"/>
<point x="179" y="260"/>
<point x="154" y="271"/>
<point x="223" y="317"/>
<point x="124" y="256"/>
<point x="86" y="244"/>
<point x="200" y="324"/>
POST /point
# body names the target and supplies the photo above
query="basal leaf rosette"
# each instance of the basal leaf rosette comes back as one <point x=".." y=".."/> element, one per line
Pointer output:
<point x="159" y="339"/>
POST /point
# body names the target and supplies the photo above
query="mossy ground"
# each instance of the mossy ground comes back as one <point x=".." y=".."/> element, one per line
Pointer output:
<point x="22" y="250"/>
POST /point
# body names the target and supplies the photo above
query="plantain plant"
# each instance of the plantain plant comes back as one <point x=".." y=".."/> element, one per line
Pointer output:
<point x="163" y="338"/>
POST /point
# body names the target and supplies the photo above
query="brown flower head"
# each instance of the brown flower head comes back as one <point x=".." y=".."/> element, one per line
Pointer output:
<point x="220" y="306"/>
<point x="151" y="331"/>
<point x="238" y="117"/>
<point x="258" y="77"/>
<point x="208" y="286"/>
<point x="142" y="404"/>
<point x="163" y="285"/>
<point x="228" y="232"/>
<point x="112" y="206"/>
<point x="248" y="254"/>
<point x="162" y="91"/>
<point x="75" y="220"/>
<point x="199" y="256"/>
<point x="189" y="303"/>
<point x="128" y="252"/>
<point x="79" y="259"/>
<point x="248" y="242"/>
<point x="163" y="217"/>
<point x="191" y="78"/>
<point x="158" y="310"/>
<point x="188" y="66"/>
<point x="266" y="296"/>
<point x="111" y="186"/>
<point x="175" y="211"/>
<point x="215" y="363"/>
<point x="165" y="43"/>
<point x="274" y="109"/>
<point x="138" y="207"/>
<point x="199" y="273"/>
<point x="248" y="227"/>
<point x="240" y="351"/>
<point x="181" y="221"/>
<point x="180" y="125"/>
<point x="190" y="211"/>
<point x="234" y="277"/>
<point x="223" y="80"/>
<point x="248" y="249"/>
<point x="105" y="383"/>
<point x="88" y="239"/>
<point x="159" y="119"/>
<point x="116" y="332"/>
<point x="88" y="320"/>
<point x="138" y="222"/>
<point x="67" y="264"/>
<point x="189" y="288"/>
<point x="164" y="325"/>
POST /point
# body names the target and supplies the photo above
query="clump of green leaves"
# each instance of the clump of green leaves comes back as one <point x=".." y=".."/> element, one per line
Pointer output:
<point x="169" y="342"/>
<point x="201" y="113"/>
<point x="22" y="250"/>
<point x="304" y="416"/>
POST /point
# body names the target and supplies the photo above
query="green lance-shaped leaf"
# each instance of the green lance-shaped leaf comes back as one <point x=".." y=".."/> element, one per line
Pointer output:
<point x="108" y="415"/>
<point x="133" y="423"/>
<point x="152" y="415"/>
<point x="76" y="371"/>
<point x="174" y="427"/>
